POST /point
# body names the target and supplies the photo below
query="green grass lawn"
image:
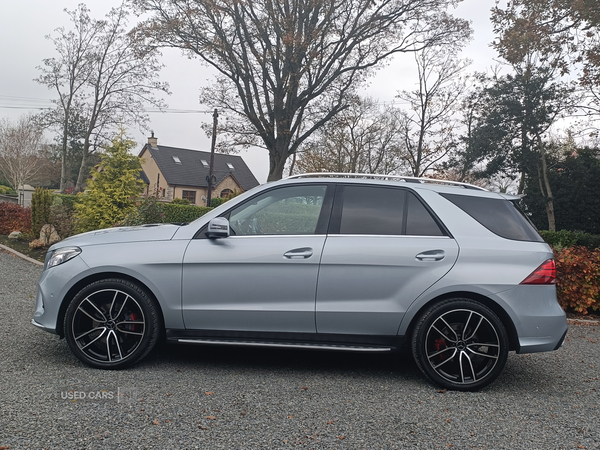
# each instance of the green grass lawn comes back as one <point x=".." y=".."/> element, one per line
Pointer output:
<point x="22" y="246"/>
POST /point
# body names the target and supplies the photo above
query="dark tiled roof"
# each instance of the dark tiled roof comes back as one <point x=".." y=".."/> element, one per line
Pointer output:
<point x="190" y="171"/>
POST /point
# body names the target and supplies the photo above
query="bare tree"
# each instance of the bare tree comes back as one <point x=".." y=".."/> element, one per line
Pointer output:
<point x="430" y="122"/>
<point x="276" y="58"/>
<point x="360" y="139"/>
<point x="68" y="73"/>
<point x="21" y="151"/>
<point x="102" y="74"/>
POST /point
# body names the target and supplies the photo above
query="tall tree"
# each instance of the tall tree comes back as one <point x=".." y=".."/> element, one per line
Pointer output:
<point x="21" y="149"/>
<point x="102" y="75"/>
<point x="360" y="139"/>
<point x="68" y="74"/>
<point x="284" y="67"/>
<point x="430" y="122"/>
<point x="565" y="33"/>
<point x="514" y="114"/>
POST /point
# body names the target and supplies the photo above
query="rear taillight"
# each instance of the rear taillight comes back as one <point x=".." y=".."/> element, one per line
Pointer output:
<point x="545" y="274"/>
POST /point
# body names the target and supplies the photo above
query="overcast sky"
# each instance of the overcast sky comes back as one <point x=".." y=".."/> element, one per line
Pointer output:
<point x="25" y="23"/>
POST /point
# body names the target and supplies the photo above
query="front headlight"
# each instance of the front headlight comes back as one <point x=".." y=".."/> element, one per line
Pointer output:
<point x="60" y="256"/>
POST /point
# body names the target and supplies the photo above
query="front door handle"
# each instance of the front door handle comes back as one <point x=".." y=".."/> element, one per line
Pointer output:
<point x="299" y="253"/>
<point x="431" y="255"/>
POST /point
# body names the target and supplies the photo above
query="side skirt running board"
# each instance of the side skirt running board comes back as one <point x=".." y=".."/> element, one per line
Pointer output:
<point x="312" y="346"/>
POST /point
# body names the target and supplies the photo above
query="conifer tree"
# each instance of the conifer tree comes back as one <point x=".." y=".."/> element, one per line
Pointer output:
<point x="113" y="188"/>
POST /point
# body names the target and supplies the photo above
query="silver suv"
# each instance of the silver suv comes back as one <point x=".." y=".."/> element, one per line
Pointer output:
<point x="345" y="262"/>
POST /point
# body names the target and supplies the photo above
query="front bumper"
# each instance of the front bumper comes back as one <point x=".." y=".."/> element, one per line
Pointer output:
<point x="53" y="286"/>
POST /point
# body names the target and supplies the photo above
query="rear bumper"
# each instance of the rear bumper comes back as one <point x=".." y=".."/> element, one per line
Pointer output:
<point x="540" y="322"/>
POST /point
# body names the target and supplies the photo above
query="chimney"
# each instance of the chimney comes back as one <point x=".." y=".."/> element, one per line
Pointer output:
<point x="152" y="141"/>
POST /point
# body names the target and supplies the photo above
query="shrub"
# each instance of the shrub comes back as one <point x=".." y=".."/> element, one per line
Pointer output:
<point x="41" y="201"/>
<point x="183" y="213"/>
<point x="6" y="190"/>
<point x="148" y="210"/>
<point x="14" y="217"/>
<point x="564" y="238"/>
<point x="66" y="200"/>
<point x="62" y="218"/>
<point x="217" y="201"/>
<point x="113" y="188"/>
<point x="180" y="201"/>
<point x="578" y="278"/>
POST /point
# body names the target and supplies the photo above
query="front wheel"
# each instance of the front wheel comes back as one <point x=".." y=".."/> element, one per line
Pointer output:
<point x="460" y="344"/>
<point x="112" y="324"/>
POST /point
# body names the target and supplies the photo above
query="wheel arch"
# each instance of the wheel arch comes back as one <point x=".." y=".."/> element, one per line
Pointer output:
<point x="511" y="330"/>
<point x="72" y="292"/>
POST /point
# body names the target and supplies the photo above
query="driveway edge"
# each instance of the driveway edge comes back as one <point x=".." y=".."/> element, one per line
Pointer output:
<point x="21" y="255"/>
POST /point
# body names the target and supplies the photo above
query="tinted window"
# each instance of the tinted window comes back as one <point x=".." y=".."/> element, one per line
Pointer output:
<point x="418" y="220"/>
<point x="372" y="210"/>
<point x="497" y="215"/>
<point x="287" y="210"/>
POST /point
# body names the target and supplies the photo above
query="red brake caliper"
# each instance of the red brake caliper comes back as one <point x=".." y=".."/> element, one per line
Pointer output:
<point x="440" y="344"/>
<point x="132" y="317"/>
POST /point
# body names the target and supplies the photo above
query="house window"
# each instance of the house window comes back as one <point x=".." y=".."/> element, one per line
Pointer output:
<point x="204" y="162"/>
<point x="189" y="195"/>
<point x="226" y="193"/>
<point x="230" y="166"/>
<point x="176" y="159"/>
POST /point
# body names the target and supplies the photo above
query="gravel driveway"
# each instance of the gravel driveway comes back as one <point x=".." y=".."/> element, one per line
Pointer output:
<point x="227" y="398"/>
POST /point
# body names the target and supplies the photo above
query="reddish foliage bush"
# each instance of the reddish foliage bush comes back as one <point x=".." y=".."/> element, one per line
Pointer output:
<point x="14" y="218"/>
<point x="578" y="278"/>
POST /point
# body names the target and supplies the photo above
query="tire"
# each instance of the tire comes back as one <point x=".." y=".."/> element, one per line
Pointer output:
<point x="460" y="344"/>
<point x="112" y="324"/>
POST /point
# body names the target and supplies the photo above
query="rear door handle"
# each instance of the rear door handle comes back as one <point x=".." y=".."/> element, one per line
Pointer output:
<point x="299" y="253"/>
<point x="431" y="255"/>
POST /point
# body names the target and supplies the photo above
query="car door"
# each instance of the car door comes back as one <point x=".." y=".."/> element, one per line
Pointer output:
<point x="263" y="276"/>
<point x="384" y="249"/>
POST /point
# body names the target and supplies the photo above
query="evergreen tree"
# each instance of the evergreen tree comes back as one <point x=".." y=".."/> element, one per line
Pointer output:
<point x="113" y="188"/>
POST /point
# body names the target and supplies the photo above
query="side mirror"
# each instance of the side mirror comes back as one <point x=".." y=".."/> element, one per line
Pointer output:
<point x="218" y="228"/>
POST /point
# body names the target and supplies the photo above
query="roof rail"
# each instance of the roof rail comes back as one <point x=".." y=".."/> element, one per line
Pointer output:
<point x="386" y="177"/>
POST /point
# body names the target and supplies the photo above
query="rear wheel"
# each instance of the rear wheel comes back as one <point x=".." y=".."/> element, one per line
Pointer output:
<point x="460" y="344"/>
<point x="112" y="324"/>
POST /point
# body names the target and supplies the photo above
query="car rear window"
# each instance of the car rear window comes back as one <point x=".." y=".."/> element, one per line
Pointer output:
<point x="500" y="216"/>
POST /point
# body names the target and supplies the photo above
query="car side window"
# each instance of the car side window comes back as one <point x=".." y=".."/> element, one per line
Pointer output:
<point x="500" y="216"/>
<point x="385" y="211"/>
<point x="419" y="222"/>
<point x="372" y="210"/>
<point x="286" y="210"/>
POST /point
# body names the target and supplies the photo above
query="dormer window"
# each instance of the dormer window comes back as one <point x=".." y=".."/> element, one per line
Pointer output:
<point x="176" y="159"/>
<point x="204" y="162"/>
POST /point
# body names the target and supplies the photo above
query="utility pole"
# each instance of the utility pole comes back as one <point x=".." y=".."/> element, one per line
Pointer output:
<point x="210" y="178"/>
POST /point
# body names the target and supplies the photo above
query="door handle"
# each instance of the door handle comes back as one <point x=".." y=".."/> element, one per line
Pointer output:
<point x="431" y="255"/>
<point x="299" y="253"/>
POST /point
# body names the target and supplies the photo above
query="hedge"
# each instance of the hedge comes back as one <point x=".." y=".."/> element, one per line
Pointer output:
<point x="578" y="278"/>
<point x="564" y="238"/>
<point x="183" y="213"/>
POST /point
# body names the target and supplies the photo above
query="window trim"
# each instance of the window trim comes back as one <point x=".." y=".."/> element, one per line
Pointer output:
<point x="336" y="215"/>
<point x="322" y="222"/>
